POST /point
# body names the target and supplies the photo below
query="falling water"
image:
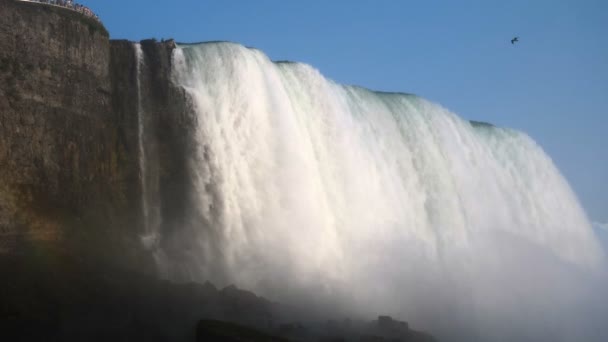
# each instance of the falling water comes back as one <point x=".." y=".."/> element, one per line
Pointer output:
<point x="139" y="63"/>
<point x="390" y="203"/>
<point x="150" y="210"/>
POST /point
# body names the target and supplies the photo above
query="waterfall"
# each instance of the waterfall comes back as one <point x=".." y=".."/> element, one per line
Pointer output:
<point x="150" y="198"/>
<point x="384" y="201"/>
<point x="147" y="238"/>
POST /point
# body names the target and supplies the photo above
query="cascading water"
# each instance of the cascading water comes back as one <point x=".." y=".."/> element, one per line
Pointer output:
<point x="139" y="62"/>
<point x="150" y="199"/>
<point x="384" y="201"/>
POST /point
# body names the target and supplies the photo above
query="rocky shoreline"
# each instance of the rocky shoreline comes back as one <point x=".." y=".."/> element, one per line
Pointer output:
<point x="50" y="296"/>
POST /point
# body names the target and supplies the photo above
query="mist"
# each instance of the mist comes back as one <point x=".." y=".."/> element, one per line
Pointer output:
<point x="344" y="202"/>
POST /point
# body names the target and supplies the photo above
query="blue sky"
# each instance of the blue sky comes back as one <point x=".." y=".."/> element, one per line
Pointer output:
<point x="553" y="84"/>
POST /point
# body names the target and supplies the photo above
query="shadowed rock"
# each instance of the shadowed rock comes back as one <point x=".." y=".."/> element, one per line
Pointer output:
<point x="210" y="330"/>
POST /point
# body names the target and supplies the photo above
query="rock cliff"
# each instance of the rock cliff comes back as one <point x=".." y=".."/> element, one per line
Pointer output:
<point x="69" y="135"/>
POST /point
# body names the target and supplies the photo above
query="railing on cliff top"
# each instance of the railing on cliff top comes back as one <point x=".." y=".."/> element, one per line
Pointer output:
<point x="69" y="4"/>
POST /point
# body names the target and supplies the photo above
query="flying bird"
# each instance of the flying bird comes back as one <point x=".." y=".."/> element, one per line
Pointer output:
<point x="516" y="39"/>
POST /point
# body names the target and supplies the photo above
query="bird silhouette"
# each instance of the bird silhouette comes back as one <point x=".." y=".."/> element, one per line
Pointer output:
<point x="516" y="39"/>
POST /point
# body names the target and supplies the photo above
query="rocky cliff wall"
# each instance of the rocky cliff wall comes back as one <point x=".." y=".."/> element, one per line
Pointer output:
<point x="69" y="129"/>
<point x="54" y="105"/>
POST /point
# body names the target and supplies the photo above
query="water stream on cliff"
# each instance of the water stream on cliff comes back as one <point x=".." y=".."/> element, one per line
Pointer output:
<point x="376" y="203"/>
<point x="139" y="62"/>
<point x="150" y="198"/>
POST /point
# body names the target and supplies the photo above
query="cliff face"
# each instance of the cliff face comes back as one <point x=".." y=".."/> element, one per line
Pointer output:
<point x="69" y="145"/>
<point x="55" y="101"/>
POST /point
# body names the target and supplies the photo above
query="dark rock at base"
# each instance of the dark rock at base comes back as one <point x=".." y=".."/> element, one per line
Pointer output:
<point x="211" y="330"/>
<point x="64" y="299"/>
<point x="388" y="329"/>
<point x="48" y="297"/>
<point x="385" y="328"/>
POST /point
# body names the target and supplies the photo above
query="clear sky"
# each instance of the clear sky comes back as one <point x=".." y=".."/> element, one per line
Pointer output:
<point x="553" y="84"/>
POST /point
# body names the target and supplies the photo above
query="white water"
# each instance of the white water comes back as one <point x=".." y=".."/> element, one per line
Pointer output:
<point x="386" y="202"/>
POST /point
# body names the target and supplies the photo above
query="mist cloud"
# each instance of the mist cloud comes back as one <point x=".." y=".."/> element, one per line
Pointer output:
<point x="601" y="226"/>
